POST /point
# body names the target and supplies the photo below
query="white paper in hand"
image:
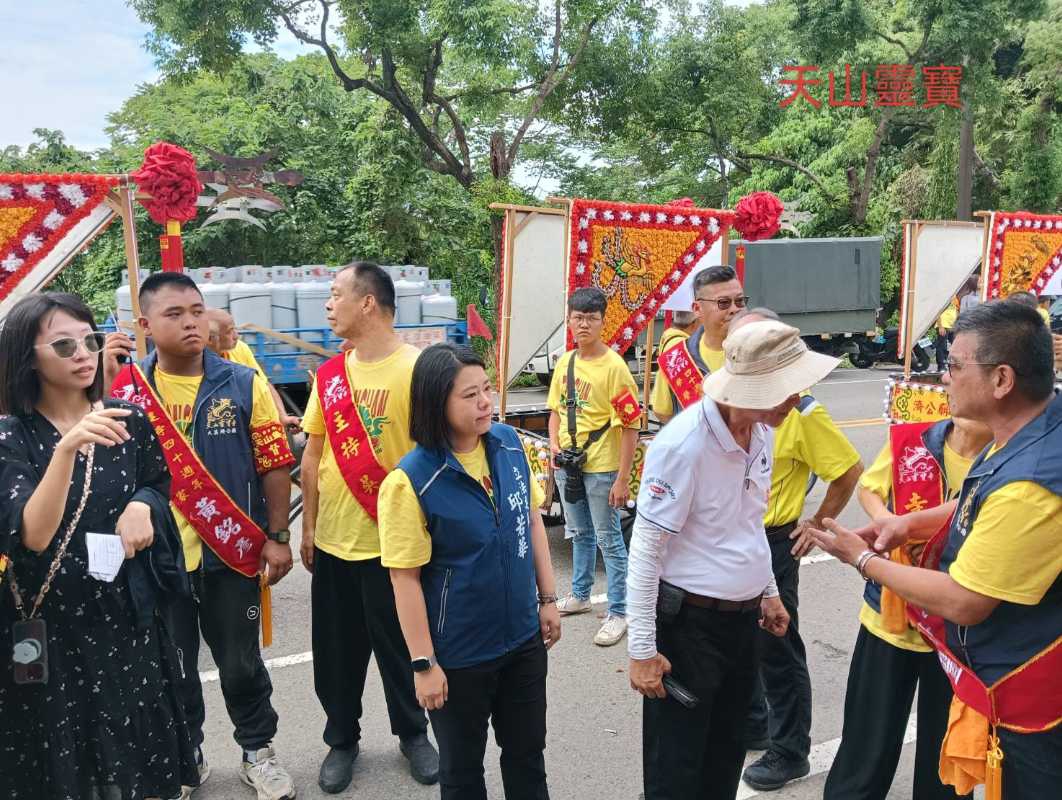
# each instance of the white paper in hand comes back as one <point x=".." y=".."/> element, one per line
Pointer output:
<point x="105" y="555"/>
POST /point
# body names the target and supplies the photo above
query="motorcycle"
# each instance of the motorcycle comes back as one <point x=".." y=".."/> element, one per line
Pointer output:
<point x="882" y="349"/>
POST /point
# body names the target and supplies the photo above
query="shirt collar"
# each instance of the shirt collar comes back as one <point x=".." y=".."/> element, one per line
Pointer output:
<point x="717" y="425"/>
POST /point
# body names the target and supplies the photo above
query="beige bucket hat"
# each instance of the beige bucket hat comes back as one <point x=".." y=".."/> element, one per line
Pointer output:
<point x="766" y="363"/>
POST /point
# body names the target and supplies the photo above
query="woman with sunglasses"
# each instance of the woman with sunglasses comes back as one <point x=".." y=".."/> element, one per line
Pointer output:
<point x="88" y="705"/>
<point x="461" y="533"/>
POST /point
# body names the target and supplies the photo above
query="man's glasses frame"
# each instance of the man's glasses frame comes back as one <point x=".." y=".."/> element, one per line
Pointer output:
<point x="723" y="303"/>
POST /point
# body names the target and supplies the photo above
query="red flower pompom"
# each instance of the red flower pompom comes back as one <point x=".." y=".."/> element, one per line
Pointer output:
<point x="758" y="216"/>
<point x="168" y="174"/>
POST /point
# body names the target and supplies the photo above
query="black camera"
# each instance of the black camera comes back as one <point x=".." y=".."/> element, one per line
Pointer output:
<point x="571" y="460"/>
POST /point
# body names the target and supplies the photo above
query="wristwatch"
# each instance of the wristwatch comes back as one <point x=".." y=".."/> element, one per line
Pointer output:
<point x="280" y="537"/>
<point x="423" y="664"/>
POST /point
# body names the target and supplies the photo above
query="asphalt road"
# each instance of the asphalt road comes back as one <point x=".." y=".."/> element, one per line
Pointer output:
<point x="594" y="719"/>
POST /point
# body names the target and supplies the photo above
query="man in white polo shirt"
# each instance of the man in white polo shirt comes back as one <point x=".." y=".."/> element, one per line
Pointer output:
<point x="699" y="580"/>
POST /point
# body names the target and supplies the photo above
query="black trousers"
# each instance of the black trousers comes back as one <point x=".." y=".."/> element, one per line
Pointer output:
<point x="225" y="607"/>
<point x="511" y="692"/>
<point x="781" y="701"/>
<point x="940" y="347"/>
<point x="1032" y="764"/>
<point x="354" y="617"/>
<point x="881" y="686"/>
<point x="698" y="753"/>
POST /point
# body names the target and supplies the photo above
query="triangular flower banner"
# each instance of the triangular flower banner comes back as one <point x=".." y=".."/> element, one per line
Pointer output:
<point x="637" y="255"/>
<point x="1024" y="251"/>
<point x="37" y="213"/>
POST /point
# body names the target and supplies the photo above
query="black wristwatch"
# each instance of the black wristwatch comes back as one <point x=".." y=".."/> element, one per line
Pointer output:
<point x="280" y="537"/>
<point x="423" y="664"/>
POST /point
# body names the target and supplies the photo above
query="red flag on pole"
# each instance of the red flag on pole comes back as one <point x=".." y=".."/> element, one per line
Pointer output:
<point x="476" y="325"/>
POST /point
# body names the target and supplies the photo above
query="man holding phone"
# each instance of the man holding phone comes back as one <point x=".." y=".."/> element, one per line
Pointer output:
<point x="700" y="583"/>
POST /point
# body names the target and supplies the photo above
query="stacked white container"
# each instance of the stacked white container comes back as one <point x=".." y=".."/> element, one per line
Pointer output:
<point x="214" y="284"/>
<point x="250" y="300"/>
<point x="408" y="293"/>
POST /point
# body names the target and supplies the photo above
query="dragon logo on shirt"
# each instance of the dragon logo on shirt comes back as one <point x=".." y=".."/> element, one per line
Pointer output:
<point x="916" y="464"/>
<point x="221" y="416"/>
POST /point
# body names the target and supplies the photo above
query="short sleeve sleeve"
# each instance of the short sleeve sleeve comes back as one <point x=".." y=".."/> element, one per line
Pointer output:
<point x="404" y="539"/>
<point x="270" y="441"/>
<point x="1014" y="549"/>
<point x="878" y="477"/>
<point x="626" y="408"/>
<point x="557" y="383"/>
<point x="538" y="494"/>
<point x="18" y="481"/>
<point x="667" y="488"/>
<point x="313" y="419"/>
<point x="824" y="448"/>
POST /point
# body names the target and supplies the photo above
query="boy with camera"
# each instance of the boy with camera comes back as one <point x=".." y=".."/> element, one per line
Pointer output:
<point x="593" y="431"/>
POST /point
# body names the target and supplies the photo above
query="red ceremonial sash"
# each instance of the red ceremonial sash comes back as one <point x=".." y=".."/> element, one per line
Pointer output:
<point x="916" y="478"/>
<point x="350" y="442"/>
<point x="682" y="373"/>
<point x="222" y="525"/>
<point x="1027" y="699"/>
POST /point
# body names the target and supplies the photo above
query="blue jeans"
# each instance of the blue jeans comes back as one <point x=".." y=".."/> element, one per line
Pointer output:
<point x="590" y="524"/>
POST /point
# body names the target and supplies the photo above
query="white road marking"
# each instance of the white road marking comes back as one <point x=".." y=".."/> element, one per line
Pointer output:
<point x="842" y="383"/>
<point x="821" y="758"/>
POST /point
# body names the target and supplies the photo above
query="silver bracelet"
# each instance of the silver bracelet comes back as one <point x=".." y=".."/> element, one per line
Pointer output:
<point x="865" y="558"/>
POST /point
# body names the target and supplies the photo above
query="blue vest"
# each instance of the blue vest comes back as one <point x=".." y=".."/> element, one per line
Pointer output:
<point x="224" y="448"/>
<point x="933" y="438"/>
<point x="1013" y="633"/>
<point x="479" y="586"/>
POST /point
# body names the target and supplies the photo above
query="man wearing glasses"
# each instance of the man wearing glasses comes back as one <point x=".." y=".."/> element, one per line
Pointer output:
<point x="718" y="296"/>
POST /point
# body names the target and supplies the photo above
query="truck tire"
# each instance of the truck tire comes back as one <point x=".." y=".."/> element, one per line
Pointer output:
<point x="544" y="378"/>
<point x="862" y="360"/>
<point x="919" y="359"/>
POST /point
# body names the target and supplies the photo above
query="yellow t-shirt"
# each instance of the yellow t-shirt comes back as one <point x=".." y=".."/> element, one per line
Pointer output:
<point x="1045" y="315"/>
<point x="948" y="317"/>
<point x="598" y="382"/>
<point x="1014" y="549"/>
<point x="178" y="394"/>
<point x="661" y="400"/>
<point x="805" y="442"/>
<point x="381" y="390"/>
<point x="404" y="539"/>
<point x="878" y="479"/>
<point x="669" y="337"/>
<point x="243" y="354"/>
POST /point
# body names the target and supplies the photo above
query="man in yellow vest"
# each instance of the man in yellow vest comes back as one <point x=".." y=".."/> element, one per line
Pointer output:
<point x="357" y="419"/>
<point x="807" y="442"/>
<point x="684" y="363"/>
<point x="989" y="594"/>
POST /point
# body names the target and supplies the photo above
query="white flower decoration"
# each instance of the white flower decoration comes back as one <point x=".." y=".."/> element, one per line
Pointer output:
<point x="32" y="243"/>
<point x="53" y="220"/>
<point x="678" y="219"/>
<point x="583" y="246"/>
<point x="591" y="213"/>
<point x="11" y="263"/>
<point x="661" y="217"/>
<point x="608" y="215"/>
<point x="6" y="192"/>
<point x="625" y="216"/>
<point x="35" y="190"/>
<point x="73" y="193"/>
<point x="644" y="216"/>
<point x="696" y="219"/>
<point x="628" y="333"/>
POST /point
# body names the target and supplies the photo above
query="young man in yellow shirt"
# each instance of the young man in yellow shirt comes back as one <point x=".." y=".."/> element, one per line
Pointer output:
<point x="806" y="442"/>
<point x="990" y="596"/>
<point x="606" y="416"/>
<point x="944" y="326"/>
<point x="225" y="413"/>
<point x="357" y="419"/>
<point x="718" y="296"/>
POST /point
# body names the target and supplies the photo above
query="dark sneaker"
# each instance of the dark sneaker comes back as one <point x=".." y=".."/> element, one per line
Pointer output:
<point x="337" y="770"/>
<point x="423" y="759"/>
<point x="773" y="771"/>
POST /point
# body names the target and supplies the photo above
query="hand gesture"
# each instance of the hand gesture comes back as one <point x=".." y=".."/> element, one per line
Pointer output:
<point x="620" y="492"/>
<point x="134" y="526"/>
<point x="647" y="675"/>
<point x="99" y="426"/>
<point x="431" y="688"/>
<point x="845" y="544"/>
<point x="306" y="548"/>
<point x="804" y="543"/>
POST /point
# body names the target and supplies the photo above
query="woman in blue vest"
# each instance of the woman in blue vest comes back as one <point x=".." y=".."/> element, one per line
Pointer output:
<point x="461" y="533"/>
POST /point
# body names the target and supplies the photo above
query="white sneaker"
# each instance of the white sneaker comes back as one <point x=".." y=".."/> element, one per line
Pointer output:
<point x="267" y="777"/>
<point x="613" y="629"/>
<point x="204" y="773"/>
<point x="573" y="605"/>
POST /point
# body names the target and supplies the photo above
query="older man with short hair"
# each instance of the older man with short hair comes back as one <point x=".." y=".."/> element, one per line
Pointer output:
<point x="700" y="584"/>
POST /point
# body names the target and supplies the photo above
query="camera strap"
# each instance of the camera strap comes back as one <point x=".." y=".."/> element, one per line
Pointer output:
<point x="571" y="403"/>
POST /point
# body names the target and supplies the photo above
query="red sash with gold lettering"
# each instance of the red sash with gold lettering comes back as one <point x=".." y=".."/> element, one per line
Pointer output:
<point x="682" y="373"/>
<point x="222" y="525"/>
<point x="1027" y="699"/>
<point x="350" y="442"/>
<point x="916" y="478"/>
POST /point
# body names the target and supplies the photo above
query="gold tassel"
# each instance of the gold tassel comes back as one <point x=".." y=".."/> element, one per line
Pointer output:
<point x="994" y="769"/>
<point x="266" y="599"/>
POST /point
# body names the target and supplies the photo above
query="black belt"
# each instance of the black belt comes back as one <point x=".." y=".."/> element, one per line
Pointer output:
<point x="715" y="604"/>
<point x="781" y="531"/>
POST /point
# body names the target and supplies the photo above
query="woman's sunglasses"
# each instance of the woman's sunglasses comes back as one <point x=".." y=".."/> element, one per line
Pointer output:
<point x="66" y="347"/>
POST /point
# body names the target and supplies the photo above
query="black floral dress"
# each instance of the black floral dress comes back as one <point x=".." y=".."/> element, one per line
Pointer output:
<point x="107" y="724"/>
